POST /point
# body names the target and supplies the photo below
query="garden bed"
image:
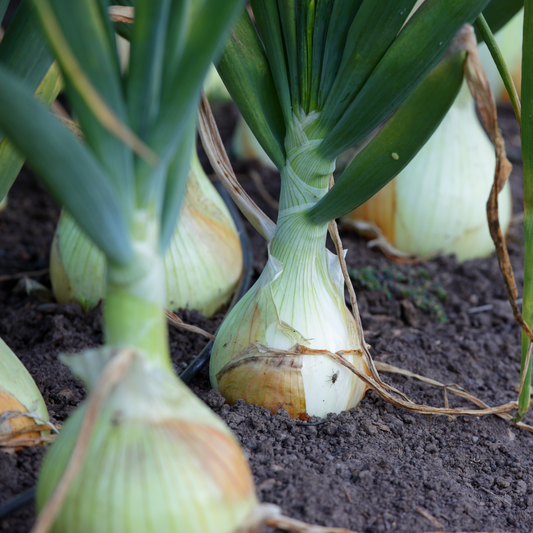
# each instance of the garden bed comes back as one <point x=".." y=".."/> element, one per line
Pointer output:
<point x="375" y="468"/>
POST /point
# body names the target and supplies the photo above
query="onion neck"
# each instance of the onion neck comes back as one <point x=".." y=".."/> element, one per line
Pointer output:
<point x="134" y="309"/>
<point x="304" y="181"/>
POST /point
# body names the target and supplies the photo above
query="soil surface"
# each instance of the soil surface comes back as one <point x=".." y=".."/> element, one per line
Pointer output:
<point x="375" y="468"/>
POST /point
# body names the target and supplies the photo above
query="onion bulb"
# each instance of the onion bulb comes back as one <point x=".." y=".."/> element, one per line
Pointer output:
<point x="203" y="263"/>
<point x="18" y="394"/>
<point x="437" y="204"/>
<point x="272" y="348"/>
<point x="157" y="460"/>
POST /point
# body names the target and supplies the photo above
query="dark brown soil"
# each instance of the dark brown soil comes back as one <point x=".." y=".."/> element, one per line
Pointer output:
<point x="374" y="469"/>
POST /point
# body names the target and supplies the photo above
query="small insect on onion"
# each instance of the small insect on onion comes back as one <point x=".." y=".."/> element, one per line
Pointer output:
<point x="333" y="378"/>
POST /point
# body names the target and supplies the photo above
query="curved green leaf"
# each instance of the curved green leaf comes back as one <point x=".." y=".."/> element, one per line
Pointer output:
<point x="24" y="49"/>
<point x="341" y="19"/>
<point x="3" y="8"/>
<point x="70" y="172"/>
<point x="176" y="182"/>
<point x="146" y="63"/>
<point x="206" y="29"/>
<point x="372" y="32"/>
<point x="11" y="160"/>
<point x="396" y="144"/>
<point x="268" y="21"/>
<point x="416" y="50"/>
<point x="287" y="16"/>
<point x="320" y="32"/>
<point x="80" y="34"/>
<point x="245" y="72"/>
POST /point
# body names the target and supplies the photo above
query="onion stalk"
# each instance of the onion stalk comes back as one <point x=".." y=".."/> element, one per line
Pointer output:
<point x="436" y="205"/>
<point x="203" y="263"/>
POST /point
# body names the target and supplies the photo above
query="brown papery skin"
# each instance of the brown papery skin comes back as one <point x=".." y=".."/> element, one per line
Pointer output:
<point x="8" y="402"/>
<point x="271" y="380"/>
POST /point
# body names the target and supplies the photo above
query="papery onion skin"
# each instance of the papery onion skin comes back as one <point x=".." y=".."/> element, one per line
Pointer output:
<point x="203" y="263"/>
<point x="15" y="424"/>
<point x="18" y="393"/>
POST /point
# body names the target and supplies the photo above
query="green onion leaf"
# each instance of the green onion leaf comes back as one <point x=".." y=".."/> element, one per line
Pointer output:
<point x="416" y="50"/>
<point x="371" y="34"/>
<point x="342" y="17"/>
<point x="24" y="49"/>
<point x="396" y="144"/>
<point x="80" y="35"/>
<point x="246" y="73"/>
<point x="269" y="24"/>
<point x="71" y="173"/>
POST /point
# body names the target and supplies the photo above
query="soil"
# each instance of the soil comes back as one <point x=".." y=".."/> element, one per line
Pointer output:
<point x="375" y="468"/>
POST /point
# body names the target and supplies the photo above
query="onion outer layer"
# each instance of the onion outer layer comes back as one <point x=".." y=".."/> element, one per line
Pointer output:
<point x="203" y="262"/>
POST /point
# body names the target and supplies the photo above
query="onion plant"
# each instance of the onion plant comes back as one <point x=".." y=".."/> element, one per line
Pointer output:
<point x="312" y="78"/>
<point x="21" y="403"/>
<point x="124" y="187"/>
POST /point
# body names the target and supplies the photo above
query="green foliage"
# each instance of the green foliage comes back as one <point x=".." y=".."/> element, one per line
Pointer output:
<point x="499" y="12"/>
<point x="412" y="283"/>
<point x="404" y="134"/>
<point x="133" y="125"/>
<point x="23" y="49"/>
<point x="335" y="71"/>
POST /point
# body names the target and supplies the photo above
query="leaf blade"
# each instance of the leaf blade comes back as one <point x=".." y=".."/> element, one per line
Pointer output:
<point x="418" y="48"/>
<point x="79" y="34"/>
<point x="24" y="49"/>
<point x="11" y="160"/>
<point x="245" y="71"/>
<point x="268" y="21"/>
<point x="371" y="34"/>
<point x="396" y="144"/>
<point x="69" y="170"/>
